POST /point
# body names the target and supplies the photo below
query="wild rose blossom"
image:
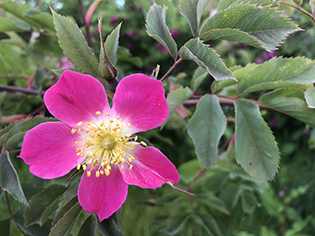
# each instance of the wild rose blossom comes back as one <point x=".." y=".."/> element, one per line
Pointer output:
<point x="100" y="139"/>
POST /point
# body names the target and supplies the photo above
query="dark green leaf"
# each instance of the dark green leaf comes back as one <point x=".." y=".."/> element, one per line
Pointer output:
<point x="157" y="28"/>
<point x="278" y="73"/>
<point x="266" y="24"/>
<point x="109" y="227"/>
<point x="74" y="45"/>
<point x="68" y="220"/>
<point x="205" y="128"/>
<point x="206" y="58"/>
<point x="230" y="195"/>
<point x="199" y="76"/>
<point x="249" y="201"/>
<point x="290" y="102"/>
<point x="192" y="10"/>
<point x="9" y="179"/>
<point x="213" y="202"/>
<point x="111" y="44"/>
<point x="310" y="97"/>
<point x="89" y="227"/>
<point x="256" y="148"/>
<point x="5" y="227"/>
<point x="271" y="202"/>
<point x="177" y="222"/>
<point x="209" y="224"/>
<point x="64" y="209"/>
<point x="42" y="202"/>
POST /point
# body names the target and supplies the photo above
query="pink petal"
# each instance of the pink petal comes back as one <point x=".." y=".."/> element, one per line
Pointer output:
<point x="103" y="195"/>
<point x="140" y="101"/>
<point x="76" y="97"/>
<point x="151" y="169"/>
<point x="49" y="150"/>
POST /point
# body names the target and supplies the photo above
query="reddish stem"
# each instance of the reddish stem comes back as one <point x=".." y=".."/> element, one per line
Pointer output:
<point x="172" y="68"/>
<point x="299" y="9"/>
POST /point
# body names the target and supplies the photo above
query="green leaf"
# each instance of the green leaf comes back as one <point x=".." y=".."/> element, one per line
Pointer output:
<point x="256" y="148"/>
<point x="206" y="58"/>
<point x="177" y="222"/>
<point x="74" y="45"/>
<point x="39" y="203"/>
<point x="264" y="231"/>
<point x="199" y="76"/>
<point x="192" y="10"/>
<point x="209" y="224"/>
<point x="226" y="3"/>
<point x="310" y="97"/>
<point x="213" y="202"/>
<point x="290" y="102"/>
<point x="264" y="23"/>
<point x="111" y="44"/>
<point x="157" y="28"/>
<point x="64" y="209"/>
<point x="9" y="179"/>
<point x="278" y="73"/>
<point x="230" y="195"/>
<point x="249" y="201"/>
<point x="271" y="202"/>
<point x="5" y="227"/>
<point x="109" y="227"/>
<point x="66" y="223"/>
<point x="89" y="227"/>
<point x="188" y="170"/>
<point x="205" y="128"/>
<point x="8" y="25"/>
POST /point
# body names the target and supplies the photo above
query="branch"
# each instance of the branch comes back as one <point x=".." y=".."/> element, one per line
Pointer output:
<point x="172" y="68"/>
<point x="17" y="89"/>
<point x="87" y="27"/>
<point x="299" y="9"/>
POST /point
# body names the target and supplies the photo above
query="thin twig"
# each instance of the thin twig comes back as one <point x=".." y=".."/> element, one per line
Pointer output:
<point x="299" y="9"/>
<point x="17" y="89"/>
<point x="87" y="27"/>
<point x="172" y="68"/>
<point x="8" y="204"/>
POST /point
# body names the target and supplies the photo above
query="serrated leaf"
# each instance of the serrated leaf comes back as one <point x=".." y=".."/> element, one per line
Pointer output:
<point x="66" y="223"/>
<point x="209" y="224"/>
<point x="40" y="202"/>
<point x="89" y="227"/>
<point x="249" y="201"/>
<point x="205" y="128"/>
<point x="157" y="28"/>
<point x="256" y="148"/>
<point x="206" y="58"/>
<point x="74" y="45"/>
<point x="290" y="102"/>
<point x="192" y="10"/>
<point x="310" y="97"/>
<point x="9" y="179"/>
<point x="5" y="227"/>
<point x="266" y="24"/>
<point x="17" y="132"/>
<point x="278" y="73"/>
<point x="109" y="227"/>
<point x="226" y="3"/>
<point x="64" y="209"/>
<point x="111" y="44"/>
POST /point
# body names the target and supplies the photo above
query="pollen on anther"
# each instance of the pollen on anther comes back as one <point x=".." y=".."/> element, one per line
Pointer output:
<point x="98" y="113"/>
<point x="143" y="143"/>
<point x="80" y="123"/>
<point x="79" y="166"/>
<point x="73" y="131"/>
<point x="88" y="173"/>
<point x="129" y="125"/>
<point x="130" y="167"/>
<point x="107" y="114"/>
<point x="76" y="143"/>
<point x="97" y="174"/>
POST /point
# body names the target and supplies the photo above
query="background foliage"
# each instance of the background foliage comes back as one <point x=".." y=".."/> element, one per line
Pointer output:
<point x="241" y="120"/>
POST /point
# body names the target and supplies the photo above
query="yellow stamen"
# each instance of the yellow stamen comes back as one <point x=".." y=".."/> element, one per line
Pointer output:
<point x="80" y="123"/>
<point x="73" y="131"/>
<point x="98" y="113"/>
<point x="143" y="143"/>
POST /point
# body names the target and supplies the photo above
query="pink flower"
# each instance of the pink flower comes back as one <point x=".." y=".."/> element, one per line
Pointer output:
<point x="99" y="139"/>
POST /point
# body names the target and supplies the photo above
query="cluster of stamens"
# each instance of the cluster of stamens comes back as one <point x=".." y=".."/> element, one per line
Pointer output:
<point x="104" y="145"/>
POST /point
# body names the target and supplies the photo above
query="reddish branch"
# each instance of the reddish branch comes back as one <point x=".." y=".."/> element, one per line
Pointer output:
<point x="299" y="9"/>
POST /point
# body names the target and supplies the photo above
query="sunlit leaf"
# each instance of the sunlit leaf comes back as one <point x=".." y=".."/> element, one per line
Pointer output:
<point x="157" y="28"/>
<point x="111" y="44"/>
<point x="192" y="10"/>
<point x="256" y="148"/>
<point x="74" y="45"/>
<point x="264" y="23"/>
<point x="9" y="179"/>
<point x="310" y="97"/>
<point x="205" y="128"/>
<point x="206" y="58"/>
<point x="226" y="3"/>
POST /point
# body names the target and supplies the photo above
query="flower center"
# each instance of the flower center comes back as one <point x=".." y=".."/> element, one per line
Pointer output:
<point x="104" y="144"/>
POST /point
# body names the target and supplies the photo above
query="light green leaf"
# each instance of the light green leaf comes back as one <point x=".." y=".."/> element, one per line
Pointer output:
<point x="205" y="128"/>
<point x="74" y="45"/>
<point x="188" y="170"/>
<point x="109" y="227"/>
<point x="111" y="44"/>
<point x="249" y="201"/>
<point x="271" y="202"/>
<point x="266" y="24"/>
<point x="230" y="195"/>
<point x="199" y="76"/>
<point x="264" y="231"/>
<point x="89" y="227"/>
<point x="8" y="25"/>
<point x="206" y="58"/>
<point x="157" y="28"/>
<point x="290" y="102"/>
<point x="9" y="180"/>
<point x="209" y="224"/>
<point x="40" y="202"/>
<point x="310" y="97"/>
<point x="66" y="223"/>
<point x="192" y="10"/>
<point x="226" y="3"/>
<point x="256" y="148"/>
<point x="278" y="73"/>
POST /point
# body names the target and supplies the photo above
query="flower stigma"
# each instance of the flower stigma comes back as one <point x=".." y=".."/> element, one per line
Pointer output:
<point x="105" y="145"/>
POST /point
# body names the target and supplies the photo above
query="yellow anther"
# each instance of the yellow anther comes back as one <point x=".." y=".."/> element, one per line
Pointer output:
<point x="73" y="131"/>
<point x="109" y="168"/>
<point x="118" y="118"/>
<point x="79" y="129"/>
<point x="98" y="113"/>
<point x="76" y="143"/>
<point x="102" y="172"/>
<point x="143" y="143"/>
<point x="130" y="167"/>
<point x="84" y="167"/>
<point x="78" y="150"/>
<point x="129" y="125"/>
<point x="132" y="149"/>
<point x="107" y="114"/>
<point x="128" y="135"/>
<point x="79" y="166"/>
<point x="80" y="123"/>
<point x="107" y="172"/>
<point x="97" y="174"/>
<point x="136" y="138"/>
<point x="122" y="167"/>
<point x="130" y="159"/>
<point x="111" y="121"/>
<point x="88" y="173"/>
